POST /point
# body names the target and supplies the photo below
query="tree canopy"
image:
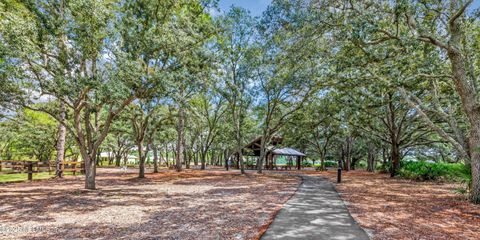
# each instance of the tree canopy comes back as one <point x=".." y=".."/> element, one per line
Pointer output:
<point x="375" y="82"/>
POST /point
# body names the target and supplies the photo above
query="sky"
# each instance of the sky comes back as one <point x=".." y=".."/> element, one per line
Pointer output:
<point x="256" y="7"/>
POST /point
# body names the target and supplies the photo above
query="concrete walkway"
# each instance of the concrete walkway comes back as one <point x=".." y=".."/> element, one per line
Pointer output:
<point x="315" y="212"/>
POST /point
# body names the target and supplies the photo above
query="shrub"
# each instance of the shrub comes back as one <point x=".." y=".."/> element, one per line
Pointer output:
<point x="318" y="166"/>
<point x="434" y="171"/>
<point x="331" y="164"/>
<point x="383" y="168"/>
<point x="306" y="164"/>
<point x="361" y="165"/>
<point x="250" y="162"/>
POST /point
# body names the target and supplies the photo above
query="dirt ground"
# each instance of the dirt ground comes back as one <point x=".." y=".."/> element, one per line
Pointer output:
<point x="167" y="205"/>
<point x="401" y="209"/>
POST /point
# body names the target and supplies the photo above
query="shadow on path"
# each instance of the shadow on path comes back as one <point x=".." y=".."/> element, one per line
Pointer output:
<point x="316" y="211"/>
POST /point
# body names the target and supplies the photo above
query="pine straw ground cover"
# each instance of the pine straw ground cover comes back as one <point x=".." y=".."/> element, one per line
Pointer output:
<point x="402" y="209"/>
<point x="167" y="205"/>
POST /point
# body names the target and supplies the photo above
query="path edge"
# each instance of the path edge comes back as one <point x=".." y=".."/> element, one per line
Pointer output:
<point x="264" y="227"/>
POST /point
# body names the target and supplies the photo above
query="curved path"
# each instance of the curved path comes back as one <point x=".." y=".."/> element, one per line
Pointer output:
<point x="315" y="212"/>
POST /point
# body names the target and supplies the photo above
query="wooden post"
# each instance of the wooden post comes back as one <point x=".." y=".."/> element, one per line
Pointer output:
<point x="298" y="163"/>
<point x="30" y="171"/>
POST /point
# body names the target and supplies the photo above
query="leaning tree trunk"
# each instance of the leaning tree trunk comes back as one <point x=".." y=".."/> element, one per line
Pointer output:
<point x="467" y="91"/>
<point x="62" y="133"/>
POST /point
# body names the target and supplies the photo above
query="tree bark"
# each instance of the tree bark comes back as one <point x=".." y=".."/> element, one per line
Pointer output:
<point x="348" y="153"/>
<point x="118" y="159"/>
<point x="141" y="158"/>
<point x="62" y="133"/>
<point x="202" y="160"/>
<point x="468" y="96"/>
<point x="90" y="171"/>
<point x="195" y="158"/>
<point x="371" y="158"/>
<point x="474" y="142"/>
<point x="262" y="154"/>
<point x="155" y="159"/>
<point x="180" y="138"/>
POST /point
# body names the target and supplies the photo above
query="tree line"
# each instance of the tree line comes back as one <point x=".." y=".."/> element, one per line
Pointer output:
<point x="370" y="81"/>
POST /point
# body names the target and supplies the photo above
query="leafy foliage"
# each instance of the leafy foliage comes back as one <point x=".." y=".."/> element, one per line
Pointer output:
<point x="424" y="171"/>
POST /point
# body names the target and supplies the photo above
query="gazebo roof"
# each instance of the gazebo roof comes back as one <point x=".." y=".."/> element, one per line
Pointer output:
<point x="287" y="152"/>
<point x="256" y="143"/>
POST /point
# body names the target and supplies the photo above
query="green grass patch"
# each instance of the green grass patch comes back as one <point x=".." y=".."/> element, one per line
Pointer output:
<point x="18" y="177"/>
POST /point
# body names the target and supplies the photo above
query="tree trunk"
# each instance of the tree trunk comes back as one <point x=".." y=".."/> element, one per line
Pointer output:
<point x="180" y="138"/>
<point x="262" y="154"/>
<point x="118" y="159"/>
<point x="348" y="153"/>
<point x="166" y="156"/>
<point x="371" y="158"/>
<point x="354" y="162"/>
<point x="141" y="158"/>
<point x="395" y="160"/>
<point x="474" y="142"/>
<point x="62" y="133"/>
<point x="341" y="157"/>
<point x="322" y="162"/>
<point x="202" y="159"/>
<point x="468" y="96"/>
<point x="90" y="170"/>
<point x="155" y="158"/>
<point x="195" y="158"/>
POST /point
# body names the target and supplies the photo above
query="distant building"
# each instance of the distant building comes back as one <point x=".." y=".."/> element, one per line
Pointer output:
<point x="276" y="156"/>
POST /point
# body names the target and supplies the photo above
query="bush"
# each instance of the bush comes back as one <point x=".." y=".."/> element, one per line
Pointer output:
<point x="318" y="166"/>
<point x="331" y="164"/>
<point x="361" y="165"/>
<point x="434" y="171"/>
<point x="306" y="164"/>
<point x="250" y="162"/>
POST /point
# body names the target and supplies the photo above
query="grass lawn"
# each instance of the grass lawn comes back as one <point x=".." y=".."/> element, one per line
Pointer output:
<point x="16" y="177"/>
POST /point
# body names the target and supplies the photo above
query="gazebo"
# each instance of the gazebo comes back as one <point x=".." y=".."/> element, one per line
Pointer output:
<point x="253" y="149"/>
<point x="289" y="153"/>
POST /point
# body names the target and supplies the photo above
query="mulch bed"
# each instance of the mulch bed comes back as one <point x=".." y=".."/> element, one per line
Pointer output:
<point x="168" y="205"/>
<point x="403" y="209"/>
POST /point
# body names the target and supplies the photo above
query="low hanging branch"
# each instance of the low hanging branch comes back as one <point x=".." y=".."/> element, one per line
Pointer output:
<point x="431" y="124"/>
